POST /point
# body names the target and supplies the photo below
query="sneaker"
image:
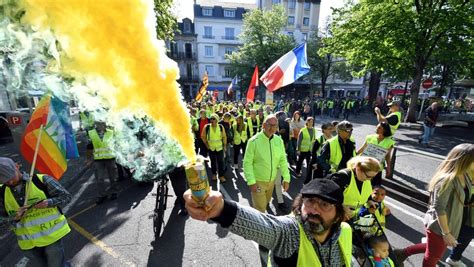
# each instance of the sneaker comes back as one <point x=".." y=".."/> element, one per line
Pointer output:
<point x="400" y="256"/>
<point x="454" y="263"/>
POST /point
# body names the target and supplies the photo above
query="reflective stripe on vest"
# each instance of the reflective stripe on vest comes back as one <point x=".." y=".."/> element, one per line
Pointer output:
<point x="307" y="255"/>
<point x="250" y="125"/>
<point x="335" y="156"/>
<point x="352" y="197"/>
<point x="240" y="137"/>
<point x="87" y="120"/>
<point x="101" y="147"/>
<point x="214" y="138"/>
<point x="306" y="141"/>
<point x="393" y="128"/>
<point x="39" y="227"/>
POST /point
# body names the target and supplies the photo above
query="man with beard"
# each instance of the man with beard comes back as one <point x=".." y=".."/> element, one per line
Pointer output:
<point x="39" y="224"/>
<point x="313" y="235"/>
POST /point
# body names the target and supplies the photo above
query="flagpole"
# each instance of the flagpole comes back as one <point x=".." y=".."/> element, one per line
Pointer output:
<point x="33" y="165"/>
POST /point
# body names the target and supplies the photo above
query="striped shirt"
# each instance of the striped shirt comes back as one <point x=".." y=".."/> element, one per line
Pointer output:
<point x="280" y="234"/>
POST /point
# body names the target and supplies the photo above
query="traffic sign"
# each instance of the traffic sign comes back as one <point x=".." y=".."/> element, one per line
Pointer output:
<point x="427" y="83"/>
<point x="15" y="120"/>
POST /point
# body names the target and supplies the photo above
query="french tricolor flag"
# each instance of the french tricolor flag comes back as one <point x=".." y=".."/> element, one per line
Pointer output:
<point x="287" y="69"/>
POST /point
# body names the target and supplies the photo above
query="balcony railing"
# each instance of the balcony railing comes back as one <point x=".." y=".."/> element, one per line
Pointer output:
<point x="189" y="78"/>
<point x="229" y="37"/>
<point x="208" y="36"/>
<point x="182" y="55"/>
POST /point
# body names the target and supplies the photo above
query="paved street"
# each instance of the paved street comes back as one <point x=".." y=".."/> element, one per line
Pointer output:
<point x="119" y="233"/>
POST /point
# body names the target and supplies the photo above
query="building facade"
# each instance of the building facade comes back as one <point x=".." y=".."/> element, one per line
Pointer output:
<point x="218" y="24"/>
<point x="303" y="16"/>
<point x="183" y="50"/>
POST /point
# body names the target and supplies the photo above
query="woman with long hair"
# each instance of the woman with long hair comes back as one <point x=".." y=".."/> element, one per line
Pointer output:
<point x="379" y="145"/>
<point x="450" y="193"/>
<point x="296" y="124"/>
<point x="355" y="181"/>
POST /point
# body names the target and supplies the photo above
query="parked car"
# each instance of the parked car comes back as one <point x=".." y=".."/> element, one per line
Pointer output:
<point x="5" y="133"/>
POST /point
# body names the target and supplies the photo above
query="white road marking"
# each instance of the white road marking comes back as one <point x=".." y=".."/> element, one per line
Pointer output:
<point x="413" y="215"/>
<point x="424" y="153"/>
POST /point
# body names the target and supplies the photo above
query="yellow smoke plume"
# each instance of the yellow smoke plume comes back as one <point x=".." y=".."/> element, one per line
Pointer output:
<point x="112" y="44"/>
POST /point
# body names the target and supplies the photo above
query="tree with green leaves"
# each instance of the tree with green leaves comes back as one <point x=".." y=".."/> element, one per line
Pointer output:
<point x="166" y="22"/>
<point x="399" y="36"/>
<point x="263" y="42"/>
<point x="324" y="64"/>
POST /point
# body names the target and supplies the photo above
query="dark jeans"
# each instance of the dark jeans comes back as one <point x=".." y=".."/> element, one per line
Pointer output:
<point x="51" y="256"/>
<point x="310" y="174"/>
<point x="292" y="150"/>
<point x="465" y="236"/>
<point x="237" y="149"/>
<point x="105" y="169"/>
<point x="202" y="147"/>
<point x="217" y="162"/>
<point x="178" y="182"/>
<point x="346" y="113"/>
<point x="303" y="156"/>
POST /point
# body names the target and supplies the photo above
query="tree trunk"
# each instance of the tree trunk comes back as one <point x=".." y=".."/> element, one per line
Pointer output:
<point x="323" y="89"/>
<point x="374" y="84"/>
<point x="415" y="92"/>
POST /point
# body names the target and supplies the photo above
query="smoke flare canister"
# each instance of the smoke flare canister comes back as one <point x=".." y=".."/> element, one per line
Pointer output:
<point x="198" y="181"/>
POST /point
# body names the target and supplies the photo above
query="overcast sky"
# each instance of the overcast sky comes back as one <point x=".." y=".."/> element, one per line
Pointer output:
<point x="184" y="8"/>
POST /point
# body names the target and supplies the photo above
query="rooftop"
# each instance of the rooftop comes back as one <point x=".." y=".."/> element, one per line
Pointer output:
<point x="226" y="4"/>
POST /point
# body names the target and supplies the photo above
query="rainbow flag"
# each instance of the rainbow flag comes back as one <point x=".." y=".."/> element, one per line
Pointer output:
<point x="57" y="142"/>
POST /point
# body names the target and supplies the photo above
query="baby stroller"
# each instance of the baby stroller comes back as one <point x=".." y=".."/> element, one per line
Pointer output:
<point x="364" y="228"/>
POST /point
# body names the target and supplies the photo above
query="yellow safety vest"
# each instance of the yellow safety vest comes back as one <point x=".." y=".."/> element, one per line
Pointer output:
<point x="393" y="128"/>
<point x="386" y="144"/>
<point x="250" y="125"/>
<point x="307" y="141"/>
<point x="240" y="137"/>
<point x="102" y="147"/>
<point x="335" y="156"/>
<point x="352" y="197"/>
<point x="39" y="227"/>
<point x="87" y="120"/>
<point x="307" y="255"/>
<point x="214" y="138"/>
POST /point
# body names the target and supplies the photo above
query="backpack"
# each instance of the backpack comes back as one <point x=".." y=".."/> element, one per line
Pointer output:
<point x="207" y="129"/>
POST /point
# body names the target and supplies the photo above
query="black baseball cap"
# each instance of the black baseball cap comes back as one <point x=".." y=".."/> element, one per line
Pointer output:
<point x="324" y="189"/>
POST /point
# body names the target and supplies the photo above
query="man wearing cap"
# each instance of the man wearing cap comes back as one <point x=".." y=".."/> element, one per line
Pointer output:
<point x="393" y="118"/>
<point x="40" y="225"/>
<point x="313" y="235"/>
<point x="337" y="151"/>
<point x="215" y="139"/>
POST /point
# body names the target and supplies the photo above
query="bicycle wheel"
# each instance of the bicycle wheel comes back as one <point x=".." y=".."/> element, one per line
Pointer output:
<point x="159" y="212"/>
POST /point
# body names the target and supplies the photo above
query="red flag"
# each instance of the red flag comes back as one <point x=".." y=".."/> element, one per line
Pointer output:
<point x="253" y="85"/>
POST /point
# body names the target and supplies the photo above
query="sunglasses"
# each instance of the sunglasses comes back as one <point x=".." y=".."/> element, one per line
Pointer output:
<point x="368" y="176"/>
<point x="348" y="130"/>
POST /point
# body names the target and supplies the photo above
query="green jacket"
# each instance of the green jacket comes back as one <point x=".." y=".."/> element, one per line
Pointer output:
<point x="263" y="156"/>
